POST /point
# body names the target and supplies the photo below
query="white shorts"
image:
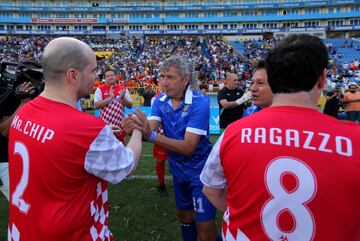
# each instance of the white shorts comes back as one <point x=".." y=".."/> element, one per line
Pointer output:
<point x="4" y="176"/>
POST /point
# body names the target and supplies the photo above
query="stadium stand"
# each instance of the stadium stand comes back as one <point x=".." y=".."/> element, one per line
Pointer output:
<point x="132" y="37"/>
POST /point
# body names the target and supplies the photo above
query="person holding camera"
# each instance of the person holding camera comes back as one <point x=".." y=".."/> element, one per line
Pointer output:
<point x="9" y="107"/>
<point x="333" y="101"/>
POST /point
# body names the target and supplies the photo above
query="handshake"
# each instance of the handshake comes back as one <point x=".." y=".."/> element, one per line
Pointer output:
<point x="137" y="121"/>
<point x="246" y="97"/>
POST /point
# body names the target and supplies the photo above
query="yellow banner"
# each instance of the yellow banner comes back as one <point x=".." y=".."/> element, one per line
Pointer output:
<point x="103" y="54"/>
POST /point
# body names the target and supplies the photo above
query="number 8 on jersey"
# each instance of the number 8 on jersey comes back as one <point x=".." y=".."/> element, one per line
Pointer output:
<point x="293" y="202"/>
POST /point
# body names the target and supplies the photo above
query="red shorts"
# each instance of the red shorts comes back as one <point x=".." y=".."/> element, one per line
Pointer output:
<point x="160" y="153"/>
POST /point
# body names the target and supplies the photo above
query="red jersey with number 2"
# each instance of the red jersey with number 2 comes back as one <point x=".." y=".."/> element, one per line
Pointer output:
<point x="53" y="197"/>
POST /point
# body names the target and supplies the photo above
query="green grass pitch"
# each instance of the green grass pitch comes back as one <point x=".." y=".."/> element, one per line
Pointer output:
<point x="137" y="211"/>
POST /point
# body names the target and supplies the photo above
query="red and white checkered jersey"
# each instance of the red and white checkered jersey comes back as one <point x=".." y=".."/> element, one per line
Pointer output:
<point x="113" y="113"/>
<point x="60" y="160"/>
<point x="291" y="173"/>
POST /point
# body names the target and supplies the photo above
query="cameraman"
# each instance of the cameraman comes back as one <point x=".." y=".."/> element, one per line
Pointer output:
<point x="8" y="109"/>
<point x="333" y="101"/>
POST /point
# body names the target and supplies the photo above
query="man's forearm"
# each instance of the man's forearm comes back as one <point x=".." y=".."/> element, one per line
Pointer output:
<point x="6" y="122"/>
<point x="349" y="101"/>
<point x="179" y="146"/>
<point x="135" y="144"/>
<point x="217" y="197"/>
<point x="229" y="104"/>
<point x="102" y="103"/>
<point x="186" y="147"/>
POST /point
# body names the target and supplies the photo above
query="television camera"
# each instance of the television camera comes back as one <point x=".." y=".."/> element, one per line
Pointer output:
<point x="12" y="75"/>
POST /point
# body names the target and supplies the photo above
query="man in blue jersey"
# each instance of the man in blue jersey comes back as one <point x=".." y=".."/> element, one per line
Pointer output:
<point x="260" y="90"/>
<point x="184" y="115"/>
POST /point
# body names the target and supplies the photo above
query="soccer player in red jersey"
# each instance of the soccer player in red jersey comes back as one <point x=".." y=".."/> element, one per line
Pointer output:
<point x="288" y="172"/>
<point x="112" y="98"/>
<point x="61" y="159"/>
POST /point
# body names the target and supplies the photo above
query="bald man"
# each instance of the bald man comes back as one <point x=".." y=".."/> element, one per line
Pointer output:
<point x="231" y="100"/>
<point x="61" y="159"/>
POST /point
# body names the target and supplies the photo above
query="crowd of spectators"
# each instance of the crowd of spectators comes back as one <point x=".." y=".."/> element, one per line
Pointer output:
<point x="135" y="59"/>
<point x="18" y="49"/>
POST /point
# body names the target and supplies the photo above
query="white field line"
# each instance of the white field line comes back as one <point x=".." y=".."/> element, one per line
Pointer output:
<point x="147" y="155"/>
<point x="146" y="177"/>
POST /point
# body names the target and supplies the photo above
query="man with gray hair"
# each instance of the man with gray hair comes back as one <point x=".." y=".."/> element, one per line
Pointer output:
<point x="60" y="159"/>
<point x="184" y="115"/>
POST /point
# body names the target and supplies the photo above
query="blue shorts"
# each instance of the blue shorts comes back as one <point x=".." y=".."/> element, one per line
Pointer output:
<point x="189" y="196"/>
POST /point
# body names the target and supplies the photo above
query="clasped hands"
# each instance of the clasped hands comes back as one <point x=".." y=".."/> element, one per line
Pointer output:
<point x="121" y="93"/>
<point x="139" y="121"/>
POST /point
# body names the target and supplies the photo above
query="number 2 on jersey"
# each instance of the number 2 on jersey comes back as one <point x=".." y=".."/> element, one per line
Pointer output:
<point x="23" y="206"/>
<point x="293" y="202"/>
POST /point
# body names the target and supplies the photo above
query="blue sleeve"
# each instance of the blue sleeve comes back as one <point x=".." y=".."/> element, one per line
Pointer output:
<point x="155" y="110"/>
<point x="199" y="117"/>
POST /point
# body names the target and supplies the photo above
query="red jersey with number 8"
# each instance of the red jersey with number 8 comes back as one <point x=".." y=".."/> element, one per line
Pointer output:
<point x="291" y="173"/>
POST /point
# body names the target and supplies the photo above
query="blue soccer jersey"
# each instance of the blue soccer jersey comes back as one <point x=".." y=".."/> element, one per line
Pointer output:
<point x="251" y="110"/>
<point x="192" y="115"/>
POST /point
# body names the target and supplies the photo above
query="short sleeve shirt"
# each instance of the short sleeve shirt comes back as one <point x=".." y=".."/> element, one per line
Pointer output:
<point x="228" y="116"/>
<point x="288" y="175"/>
<point x="192" y="115"/>
<point x="62" y="160"/>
